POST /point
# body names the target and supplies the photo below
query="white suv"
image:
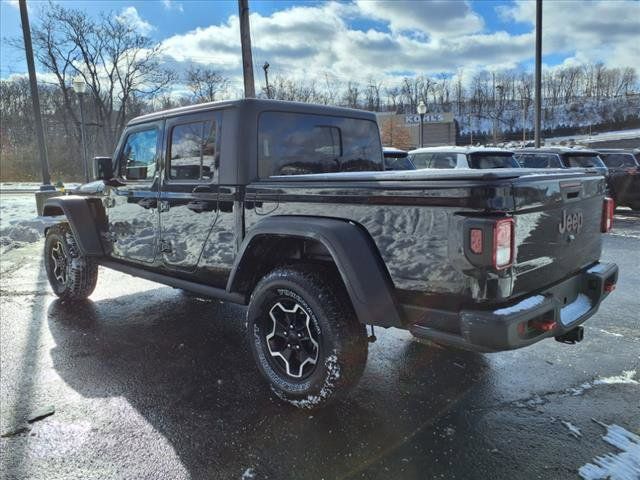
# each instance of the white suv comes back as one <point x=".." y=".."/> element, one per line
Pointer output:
<point x="462" y="157"/>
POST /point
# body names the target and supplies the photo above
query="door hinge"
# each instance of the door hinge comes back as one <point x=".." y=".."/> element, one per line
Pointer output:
<point x="164" y="206"/>
<point x="165" y="247"/>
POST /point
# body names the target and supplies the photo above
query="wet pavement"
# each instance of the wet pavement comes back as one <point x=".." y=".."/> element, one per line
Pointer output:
<point x="147" y="382"/>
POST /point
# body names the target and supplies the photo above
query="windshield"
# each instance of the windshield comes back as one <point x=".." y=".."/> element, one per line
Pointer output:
<point x="492" y="160"/>
<point x="584" y="161"/>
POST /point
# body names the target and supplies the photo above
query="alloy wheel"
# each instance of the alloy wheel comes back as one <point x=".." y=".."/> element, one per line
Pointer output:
<point x="291" y="341"/>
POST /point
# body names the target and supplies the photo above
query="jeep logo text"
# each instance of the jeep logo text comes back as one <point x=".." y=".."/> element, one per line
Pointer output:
<point x="571" y="223"/>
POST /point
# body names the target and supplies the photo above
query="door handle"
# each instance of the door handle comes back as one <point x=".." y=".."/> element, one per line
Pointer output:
<point x="200" y="206"/>
<point x="202" y="189"/>
<point x="148" y="203"/>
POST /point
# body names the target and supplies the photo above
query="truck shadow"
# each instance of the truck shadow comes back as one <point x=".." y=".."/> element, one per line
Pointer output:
<point x="184" y="364"/>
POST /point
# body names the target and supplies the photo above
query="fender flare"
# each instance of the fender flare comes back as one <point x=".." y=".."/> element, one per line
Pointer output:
<point x="82" y="220"/>
<point x="356" y="257"/>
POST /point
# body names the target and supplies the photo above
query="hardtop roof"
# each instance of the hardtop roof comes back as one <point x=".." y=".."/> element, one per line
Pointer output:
<point x="257" y="106"/>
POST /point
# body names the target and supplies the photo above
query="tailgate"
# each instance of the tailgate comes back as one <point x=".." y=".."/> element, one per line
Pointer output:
<point x="558" y="223"/>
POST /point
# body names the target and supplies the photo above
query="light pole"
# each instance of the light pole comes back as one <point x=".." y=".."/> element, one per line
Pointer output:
<point x="497" y="112"/>
<point x="265" y="67"/>
<point x="80" y="87"/>
<point x="422" y="109"/>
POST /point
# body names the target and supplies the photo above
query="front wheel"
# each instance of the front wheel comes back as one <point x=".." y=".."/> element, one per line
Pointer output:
<point x="71" y="274"/>
<point x="305" y="336"/>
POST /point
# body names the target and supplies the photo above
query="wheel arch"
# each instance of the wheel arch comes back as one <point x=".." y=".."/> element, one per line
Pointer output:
<point x="348" y="247"/>
<point x="84" y="216"/>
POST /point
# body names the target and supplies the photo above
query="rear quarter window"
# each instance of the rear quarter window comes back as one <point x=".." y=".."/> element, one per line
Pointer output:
<point x="299" y="144"/>
<point x="422" y="160"/>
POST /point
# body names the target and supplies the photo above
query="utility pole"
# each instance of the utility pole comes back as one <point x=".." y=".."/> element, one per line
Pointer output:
<point x="245" y="41"/>
<point x="265" y="67"/>
<point x="35" y="99"/>
<point x="538" y="79"/>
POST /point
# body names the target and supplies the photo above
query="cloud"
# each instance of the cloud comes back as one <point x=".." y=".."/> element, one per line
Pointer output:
<point x="12" y="3"/>
<point x="435" y="18"/>
<point x="316" y="41"/>
<point x="130" y="16"/>
<point x="591" y="31"/>
<point x="171" y="5"/>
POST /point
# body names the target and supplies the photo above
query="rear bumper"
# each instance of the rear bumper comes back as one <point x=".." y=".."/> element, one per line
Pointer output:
<point x="561" y="308"/>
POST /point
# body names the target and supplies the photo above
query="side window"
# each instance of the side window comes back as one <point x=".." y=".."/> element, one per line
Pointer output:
<point x="193" y="151"/>
<point x="139" y="154"/>
<point x="298" y="144"/>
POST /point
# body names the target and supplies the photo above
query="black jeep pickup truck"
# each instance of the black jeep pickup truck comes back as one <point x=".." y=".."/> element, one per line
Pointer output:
<point x="287" y="208"/>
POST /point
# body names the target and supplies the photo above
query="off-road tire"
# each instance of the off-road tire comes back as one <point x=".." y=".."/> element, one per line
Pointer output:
<point x="73" y="276"/>
<point x="342" y="340"/>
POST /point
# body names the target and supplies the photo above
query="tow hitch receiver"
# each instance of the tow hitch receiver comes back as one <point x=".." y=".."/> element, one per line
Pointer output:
<point x="572" y="336"/>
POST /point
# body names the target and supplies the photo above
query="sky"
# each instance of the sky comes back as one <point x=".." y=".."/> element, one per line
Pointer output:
<point x="360" y="40"/>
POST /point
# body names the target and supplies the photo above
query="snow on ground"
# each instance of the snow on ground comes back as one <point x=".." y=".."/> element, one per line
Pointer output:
<point x="616" y="135"/>
<point x="624" y="465"/>
<point x="19" y="223"/>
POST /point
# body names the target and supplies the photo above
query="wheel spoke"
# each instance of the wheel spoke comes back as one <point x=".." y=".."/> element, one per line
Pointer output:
<point x="59" y="259"/>
<point x="289" y="339"/>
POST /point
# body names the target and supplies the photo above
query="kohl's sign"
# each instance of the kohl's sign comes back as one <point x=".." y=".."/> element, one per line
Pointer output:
<point x="414" y="118"/>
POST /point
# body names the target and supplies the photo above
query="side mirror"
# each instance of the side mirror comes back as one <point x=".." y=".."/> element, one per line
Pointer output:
<point x="102" y="168"/>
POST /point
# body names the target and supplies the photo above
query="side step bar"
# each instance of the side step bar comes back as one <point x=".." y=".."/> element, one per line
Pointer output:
<point x="200" y="289"/>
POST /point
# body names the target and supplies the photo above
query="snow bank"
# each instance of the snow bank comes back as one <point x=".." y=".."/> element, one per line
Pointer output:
<point x="19" y="224"/>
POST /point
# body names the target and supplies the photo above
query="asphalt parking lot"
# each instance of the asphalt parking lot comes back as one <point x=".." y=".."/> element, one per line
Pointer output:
<point x="147" y="382"/>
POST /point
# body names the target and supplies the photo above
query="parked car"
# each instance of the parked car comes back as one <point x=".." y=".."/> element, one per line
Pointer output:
<point x="624" y="176"/>
<point x="296" y="218"/>
<point x="560" y="157"/>
<point x="396" y="159"/>
<point x="462" y="157"/>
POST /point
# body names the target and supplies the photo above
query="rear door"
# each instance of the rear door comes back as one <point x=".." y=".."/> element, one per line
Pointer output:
<point x="558" y="219"/>
<point x="189" y="194"/>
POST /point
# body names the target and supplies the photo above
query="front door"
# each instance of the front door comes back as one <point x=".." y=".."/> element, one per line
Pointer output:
<point x="132" y="208"/>
<point x="189" y="196"/>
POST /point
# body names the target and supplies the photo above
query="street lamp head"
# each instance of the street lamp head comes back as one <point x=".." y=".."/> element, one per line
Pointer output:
<point x="422" y="108"/>
<point x="79" y="86"/>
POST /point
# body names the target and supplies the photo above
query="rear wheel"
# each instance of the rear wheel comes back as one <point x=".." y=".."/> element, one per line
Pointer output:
<point x="304" y="335"/>
<point x="71" y="274"/>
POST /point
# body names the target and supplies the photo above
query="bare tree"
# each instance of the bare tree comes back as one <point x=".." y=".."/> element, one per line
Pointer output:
<point x="205" y="84"/>
<point x="115" y="60"/>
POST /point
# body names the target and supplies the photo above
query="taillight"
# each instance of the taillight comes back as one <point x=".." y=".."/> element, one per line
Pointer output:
<point x="607" y="215"/>
<point x="503" y="239"/>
